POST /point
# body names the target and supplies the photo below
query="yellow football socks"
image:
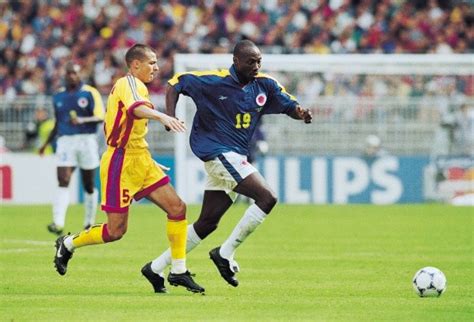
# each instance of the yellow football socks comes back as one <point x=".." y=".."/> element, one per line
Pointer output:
<point x="177" y="231"/>
<point x="97" y="234"/>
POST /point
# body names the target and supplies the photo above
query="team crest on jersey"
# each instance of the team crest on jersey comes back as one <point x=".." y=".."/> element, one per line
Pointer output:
<point x="261" y="99"/>
<point x="82" y="102"/>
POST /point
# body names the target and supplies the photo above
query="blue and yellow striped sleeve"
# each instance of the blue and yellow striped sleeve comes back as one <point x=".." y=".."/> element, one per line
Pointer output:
<point x="280" y="101"/>
<point x="190" y="81"/>
<point x="98" y="103"/>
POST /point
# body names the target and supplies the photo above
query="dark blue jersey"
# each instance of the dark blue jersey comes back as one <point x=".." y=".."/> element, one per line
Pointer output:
<point x="227" y="112"/>
<point x="83" y="102"/>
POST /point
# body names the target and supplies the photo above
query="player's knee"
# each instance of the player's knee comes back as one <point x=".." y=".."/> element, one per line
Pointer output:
<point x="114" y="237"/>
<point x="117" y="233"/>
<point x="206" y="224"/>
<point x="177" y="211"/>
<point x="63" y="182"/>
<point x="268" y="201"/>
<point x="89" y="189"/>
<point x="273" y="199"/>
<point x="210" y="229"/>
<point x="204" y="228"/>
<point x="210" y="226"/>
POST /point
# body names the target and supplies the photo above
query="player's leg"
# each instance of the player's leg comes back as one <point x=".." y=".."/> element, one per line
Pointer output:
<point x="156" y="188"/>
<point x="66" y="161"/>
<point x="226" y="172"/>
<point x="167" y="199"/>
<point x="88" y="161"/>
<point x="253" y="186"/>
<point x="61" y="200"/>
<point x="176" y="229"/>
<point x="91" y="197"/>
<point x="113" y="230"/>
<point x="214" y="205"/>
<point x="119" y="183"/>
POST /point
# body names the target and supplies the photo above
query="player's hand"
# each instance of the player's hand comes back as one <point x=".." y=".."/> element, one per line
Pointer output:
<point x="73" y="116"/>
<point x="41" y="150"/>
<point x="173" y="124"/>
<point x="305" y="114"/>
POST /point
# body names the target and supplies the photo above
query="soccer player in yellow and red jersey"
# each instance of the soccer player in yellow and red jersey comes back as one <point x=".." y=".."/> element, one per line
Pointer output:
<point x="127" y="172"/>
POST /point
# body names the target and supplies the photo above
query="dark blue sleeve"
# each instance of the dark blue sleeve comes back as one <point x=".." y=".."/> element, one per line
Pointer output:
<point x="185" y="83"/>
<point x="279" y="100"/>
<point x="55" y="108"/>
<point x="91" y="106"/>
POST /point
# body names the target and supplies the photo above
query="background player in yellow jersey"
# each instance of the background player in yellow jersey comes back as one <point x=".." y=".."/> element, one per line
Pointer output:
<point x="127" y="172"/>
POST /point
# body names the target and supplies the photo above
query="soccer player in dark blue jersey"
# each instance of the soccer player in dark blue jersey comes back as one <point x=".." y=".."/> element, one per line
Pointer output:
<point x="78" y="108"/>
<point x="229" y="105"/>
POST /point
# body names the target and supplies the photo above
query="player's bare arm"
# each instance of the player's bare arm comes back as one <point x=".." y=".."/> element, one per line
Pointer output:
<point x="172" y="96"/>
<point x="304" y="114"/>
<point x="170" y="122"/>
<point x="77" y="120"/>
<point x="171" y="100"/>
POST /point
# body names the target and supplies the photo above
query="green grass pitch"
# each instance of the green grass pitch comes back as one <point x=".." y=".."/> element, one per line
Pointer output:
<point x="305" y="263"/>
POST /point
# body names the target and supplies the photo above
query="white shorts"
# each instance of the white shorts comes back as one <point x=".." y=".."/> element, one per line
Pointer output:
<point x="79" y="150"/>
<point x="226" y="171"/>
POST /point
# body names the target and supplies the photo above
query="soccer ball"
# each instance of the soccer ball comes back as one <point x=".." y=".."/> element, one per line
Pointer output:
<point x="429" y="282"/>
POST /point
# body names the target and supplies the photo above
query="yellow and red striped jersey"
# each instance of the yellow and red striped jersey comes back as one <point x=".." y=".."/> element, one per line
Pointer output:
<point x="122" y="128"/>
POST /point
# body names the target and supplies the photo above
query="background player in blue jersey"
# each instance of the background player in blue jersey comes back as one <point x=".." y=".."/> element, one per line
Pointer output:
<point x="78" y="108"/>
<point x="229" y="105"/>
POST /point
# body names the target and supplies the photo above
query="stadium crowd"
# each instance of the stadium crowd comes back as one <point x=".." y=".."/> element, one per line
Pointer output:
<point x="37" y="37"/>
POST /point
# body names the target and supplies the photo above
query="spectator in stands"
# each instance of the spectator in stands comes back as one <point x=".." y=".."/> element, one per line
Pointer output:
<point x="38" y="131"/>
<point x="41" y="35"/>
<point x="459" y="125"/>
<point x="373" y="147"/>
<point x="3" y="148"/>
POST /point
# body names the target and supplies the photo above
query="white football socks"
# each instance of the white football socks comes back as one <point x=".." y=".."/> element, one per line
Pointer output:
<point x="68" y="243"/>
<point x="252" y="218"/>
<point x="159" y="264"/>
<point x="90" y="207"/>
<point x="178" y="266"/>
<point x="60" y="204"/>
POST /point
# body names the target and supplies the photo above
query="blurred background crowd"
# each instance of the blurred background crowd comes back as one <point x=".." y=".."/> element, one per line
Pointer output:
<point x="37" y="37"/>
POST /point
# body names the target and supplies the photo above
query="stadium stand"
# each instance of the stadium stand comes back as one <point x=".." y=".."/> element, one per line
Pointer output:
<point x="37" y="37"/>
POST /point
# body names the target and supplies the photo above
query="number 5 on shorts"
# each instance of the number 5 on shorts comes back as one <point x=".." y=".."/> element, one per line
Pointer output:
<point x="125" y="196"/>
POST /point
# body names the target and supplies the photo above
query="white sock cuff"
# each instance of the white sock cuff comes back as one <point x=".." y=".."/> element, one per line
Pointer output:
<point x="159" y="264"/>
<point x="192" y="235"/>
<point x="91" y="195"/>
<point x="60" y="205"/>
<point x="178" y="266"/>
<point x="68" y="243"/>
<point x="63" y="190"/>
<point x="256" y="213"/>
<point x="90" y="207"/>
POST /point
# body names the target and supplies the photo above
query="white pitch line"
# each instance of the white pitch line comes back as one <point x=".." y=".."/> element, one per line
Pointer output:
<point x="8" y="250"/>
<point x="29" y="242"/>
<point x="19" y="250"/>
